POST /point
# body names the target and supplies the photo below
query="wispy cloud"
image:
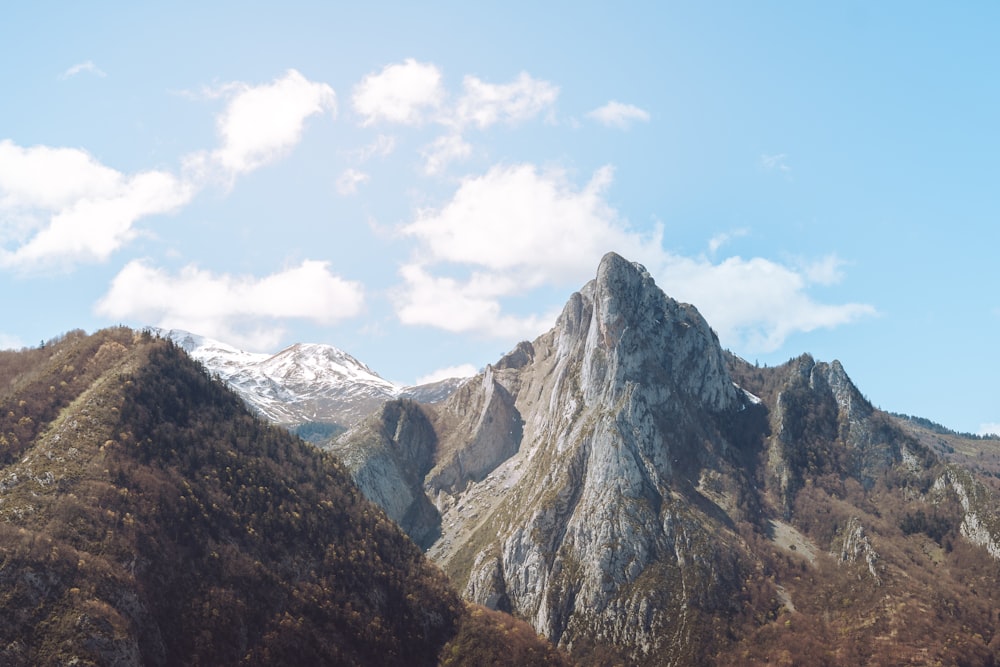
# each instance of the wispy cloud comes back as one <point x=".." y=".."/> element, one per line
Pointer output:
<point x="349" y="181"/>
<point x="617" y="114"/>
<point x="413" y="93"/>
<point x="85" y="67"/>
<point x="381" y="146"/>
<point x="245" y="310"/>
<point x="443" y="151"/>
<point x="723" y="238"/>
<point x="778" y="162"/>
<point x="492" y="242"/>
<point x="483" y="104"/>
<point x="825" y="271"/>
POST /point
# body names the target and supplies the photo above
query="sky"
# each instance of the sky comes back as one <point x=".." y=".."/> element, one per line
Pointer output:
<point x="423" y="187"/>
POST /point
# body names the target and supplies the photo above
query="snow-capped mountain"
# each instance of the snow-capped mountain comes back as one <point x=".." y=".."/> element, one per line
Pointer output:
<point x="304" y="383"/>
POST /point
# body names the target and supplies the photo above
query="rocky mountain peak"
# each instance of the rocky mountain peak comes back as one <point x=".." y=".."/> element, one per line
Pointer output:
<point x="637" y="334"/>
<point x="621" y="482"/>
<point x="558" y="471"/>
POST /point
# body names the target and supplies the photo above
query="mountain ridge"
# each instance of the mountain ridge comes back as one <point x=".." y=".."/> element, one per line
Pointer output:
<point x="147" y="517"/>
<point x="303" y="384"/>
<point x="624" y="484"/>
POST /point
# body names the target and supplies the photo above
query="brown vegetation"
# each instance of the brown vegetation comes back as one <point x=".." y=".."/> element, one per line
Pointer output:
<point x="147" y="518"/>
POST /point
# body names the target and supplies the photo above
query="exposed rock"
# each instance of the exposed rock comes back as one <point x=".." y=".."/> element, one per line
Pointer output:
<point x="980" y="522"/>
<point x="611" y="484"/>
<point x="593" y="538"/>
<point x="388" y="456"/>
<point x="855" y="547"/>
<point x="489" y="432"/>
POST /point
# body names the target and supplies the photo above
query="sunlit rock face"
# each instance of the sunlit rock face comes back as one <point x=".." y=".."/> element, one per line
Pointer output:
<point x="579" y="454"/>
<point x="610" y="483"/>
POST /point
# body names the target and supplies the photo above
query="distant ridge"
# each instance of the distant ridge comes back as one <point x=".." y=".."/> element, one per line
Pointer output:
<point x="304" y="386"/>
<point x="944" y="430"/>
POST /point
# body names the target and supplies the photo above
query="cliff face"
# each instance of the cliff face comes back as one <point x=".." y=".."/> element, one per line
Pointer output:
<point x="641" y="496"/>
<point x="389" y="454"/>
<point x="582" y="512"/>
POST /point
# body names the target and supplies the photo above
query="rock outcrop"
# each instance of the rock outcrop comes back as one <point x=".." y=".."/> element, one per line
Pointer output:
<point x="567" y="474"/>
<point x="641" y="496"/>
<point x="388" y="455"/>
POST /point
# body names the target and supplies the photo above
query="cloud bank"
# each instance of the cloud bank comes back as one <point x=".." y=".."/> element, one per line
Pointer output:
<point x="243" y="310"/>
<point x="60" y="207"/>
<point x="517" y="229"/>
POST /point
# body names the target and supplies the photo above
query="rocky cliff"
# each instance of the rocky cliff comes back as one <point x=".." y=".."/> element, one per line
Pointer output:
<point x="639" y="495"/>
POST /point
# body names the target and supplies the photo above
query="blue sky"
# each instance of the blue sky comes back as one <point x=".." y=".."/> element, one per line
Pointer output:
<point x="423" y="187"/>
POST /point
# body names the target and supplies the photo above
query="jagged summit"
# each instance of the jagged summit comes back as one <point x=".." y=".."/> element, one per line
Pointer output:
<point x="623" y="484"/>
<point x="636" y="333"/>
<point x="566" y="471"/>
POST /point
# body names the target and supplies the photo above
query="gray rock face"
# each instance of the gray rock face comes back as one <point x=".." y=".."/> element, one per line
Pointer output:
<point x="566" y="488"/>
<point x="822" y="424"/>
<point x="489" y="432"/>
<point x="388" y="456"/>
<point x="855" y="547"/>
<point x="592" y="480"/>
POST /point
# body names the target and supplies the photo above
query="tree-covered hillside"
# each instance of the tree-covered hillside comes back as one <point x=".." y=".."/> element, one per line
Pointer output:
<point x="147" y="518"/>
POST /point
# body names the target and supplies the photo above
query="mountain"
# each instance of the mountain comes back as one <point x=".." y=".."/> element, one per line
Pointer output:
<point x="148" y="518"/>
<point x="641" y="496"/>
<point x="317" y="390"/>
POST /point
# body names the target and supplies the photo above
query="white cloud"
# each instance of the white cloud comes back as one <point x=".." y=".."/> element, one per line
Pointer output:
<point x="505" y="233"/>
<point x="87" y="66"/>
<point x="513" y="217"/>
<point x="411" y="93"/>
<point x="989" y="428"/>
<point x="59" y="205"/>
<point x="460" y="371"/>
<point x="400" y="93"/>
<point x="516" y="229"/>
<point x="443" y="151"/>
<point x="244" y="310"/>
<point x="464" y="306"/>
<point x="753" y="304"/>
<point x="349" y="181"/>
<point x="382" y="146"/>
<point x="484" y="104"/>
<point x="51" y="178"/>
<point x="262" y="123"/>
<point x="617" y="114"/>
<point x="722" y="239"/>
<point x="777" y="162"/>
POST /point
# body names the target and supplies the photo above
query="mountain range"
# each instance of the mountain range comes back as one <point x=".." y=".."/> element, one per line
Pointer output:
<point x="147" y="517"/>
<point x="318" y="391"/>
<point x="623" y="484"/>
<point x="641" y="495"/>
